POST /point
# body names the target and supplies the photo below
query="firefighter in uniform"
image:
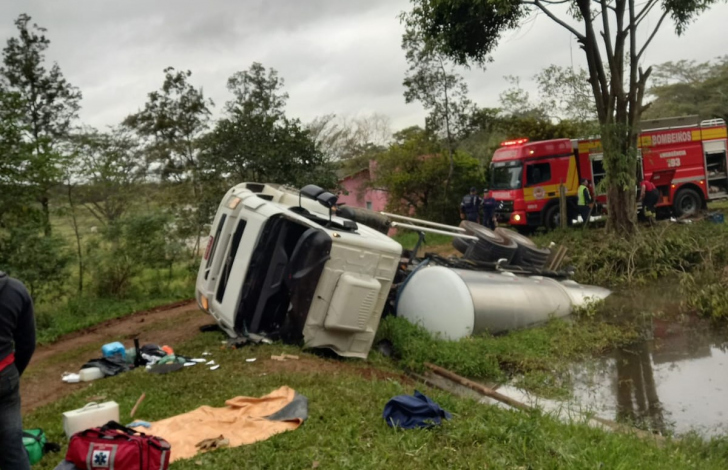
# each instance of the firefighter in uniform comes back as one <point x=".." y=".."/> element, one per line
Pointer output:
<point x="489" y="205"/>
<point x="470" y="207"/>
<point x="585" y="201"/>
<point x="649" y="195"/>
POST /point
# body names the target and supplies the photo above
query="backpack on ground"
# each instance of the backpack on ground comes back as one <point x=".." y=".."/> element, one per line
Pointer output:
<point x="36" y="445"/>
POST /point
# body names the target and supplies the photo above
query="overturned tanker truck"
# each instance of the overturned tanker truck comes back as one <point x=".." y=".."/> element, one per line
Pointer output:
<point x="294" y="265"/>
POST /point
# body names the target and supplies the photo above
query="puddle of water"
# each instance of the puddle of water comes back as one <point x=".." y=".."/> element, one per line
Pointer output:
<point x="676" y="382"/>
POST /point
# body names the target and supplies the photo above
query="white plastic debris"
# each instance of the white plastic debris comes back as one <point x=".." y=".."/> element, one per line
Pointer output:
<point x="199" y="360"/>
<point x="207" y="353"/>
<point x="211" y="363"/>
<point x="70" y="378"/>
<point x="215" y="367"/>
<point x="250" y="359"/>
<point x="190" y="364"/>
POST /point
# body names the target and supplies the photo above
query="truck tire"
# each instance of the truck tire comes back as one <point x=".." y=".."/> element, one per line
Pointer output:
<point x="527" y="255"/>
<point x="552" y="217"/>
<point x="462" y="244"/>
<point x="490" y="246"/>
<point x="687" y="202"/>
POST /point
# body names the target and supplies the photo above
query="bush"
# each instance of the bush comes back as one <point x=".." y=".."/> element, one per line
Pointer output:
<point x="126" y="248"/>
<point x="40" y="262"/>
<point x="652" y="253"/>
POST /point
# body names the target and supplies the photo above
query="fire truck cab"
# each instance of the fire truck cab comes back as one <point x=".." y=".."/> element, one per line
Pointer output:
<point x="686" y="160"/>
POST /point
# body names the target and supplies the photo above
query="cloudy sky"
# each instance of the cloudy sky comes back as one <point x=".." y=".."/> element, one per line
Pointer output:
<point x="336" y="56"/>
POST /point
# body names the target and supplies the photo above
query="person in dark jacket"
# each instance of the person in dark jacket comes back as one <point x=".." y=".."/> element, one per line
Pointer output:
<point x="470" y="207"/>
<point x="489" y="206"/>
<point x="17" y="344"/>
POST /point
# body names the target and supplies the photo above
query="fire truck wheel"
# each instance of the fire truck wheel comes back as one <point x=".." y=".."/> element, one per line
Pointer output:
<point x="552" y="219"/>
<point x="528" y="254"/>
<point x="490" y="246"/>
<point x="687" y="202"/>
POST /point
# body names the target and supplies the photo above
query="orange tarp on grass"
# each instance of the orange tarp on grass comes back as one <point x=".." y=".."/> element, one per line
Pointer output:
<point x="242" y="422"/>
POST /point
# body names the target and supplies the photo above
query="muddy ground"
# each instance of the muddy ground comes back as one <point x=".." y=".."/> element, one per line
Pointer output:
<point x="171" y="324"/>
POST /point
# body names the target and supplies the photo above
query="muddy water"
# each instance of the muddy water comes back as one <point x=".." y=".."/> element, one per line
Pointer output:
<point x="675" y="382"/>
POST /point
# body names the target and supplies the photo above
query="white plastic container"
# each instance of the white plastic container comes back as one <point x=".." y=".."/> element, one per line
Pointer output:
<point x="90" y="416"/>
<point x="91" y="373"/>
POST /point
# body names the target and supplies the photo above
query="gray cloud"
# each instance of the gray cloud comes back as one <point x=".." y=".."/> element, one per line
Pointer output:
<point x="336" y="56"/>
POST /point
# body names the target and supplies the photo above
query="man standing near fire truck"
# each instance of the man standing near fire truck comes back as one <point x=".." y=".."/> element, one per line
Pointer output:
<point x="585" y="201"/>
<point x="649" y="195"/>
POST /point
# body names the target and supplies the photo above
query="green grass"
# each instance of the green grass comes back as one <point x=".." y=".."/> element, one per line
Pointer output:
<point x="408" y="239"/>
<point x="345" y="429"/>
<point x="538" y="358"/>
<point x="55" y="319"/>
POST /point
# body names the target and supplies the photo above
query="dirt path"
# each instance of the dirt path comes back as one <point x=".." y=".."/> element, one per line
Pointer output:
<point x="170" y="324"/>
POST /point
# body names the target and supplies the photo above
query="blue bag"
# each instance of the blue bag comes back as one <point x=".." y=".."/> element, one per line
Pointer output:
<point x="409" y="412"/>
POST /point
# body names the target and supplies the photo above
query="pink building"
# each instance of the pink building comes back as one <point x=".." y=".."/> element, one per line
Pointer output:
<point x="356" y="192"/>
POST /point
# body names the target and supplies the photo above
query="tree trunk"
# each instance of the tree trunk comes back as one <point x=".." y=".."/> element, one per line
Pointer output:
<point x="620" y="163"/>
<point x="78" y="238"/>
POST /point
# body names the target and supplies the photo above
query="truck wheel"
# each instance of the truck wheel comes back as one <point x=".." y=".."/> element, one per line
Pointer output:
<point x="462" y="244"/>
<point x="527" y="254"/>
<point x="687" y="202"/>
<point x="552" y="219"/>
<point x="490" y="246"/>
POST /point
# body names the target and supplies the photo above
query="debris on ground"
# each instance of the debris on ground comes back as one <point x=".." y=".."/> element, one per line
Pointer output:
<point x="410" y="412"/>
<point x="282" y="357"/>
<point x="212" y="444"/>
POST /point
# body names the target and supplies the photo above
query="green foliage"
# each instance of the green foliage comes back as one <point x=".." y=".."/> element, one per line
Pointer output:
<point x="79" y="312"/>
<point x="50" y="105"/>
<point x="111" y="165"/>
<point x="126" y="247"/>
<point x="40" y="262"/>
<point x="687" y="87"/>
<point x="255" y="141"/>
<point x="172" y="120"/>
<point x="412" y="170"/>
<point x="706" y="292"/>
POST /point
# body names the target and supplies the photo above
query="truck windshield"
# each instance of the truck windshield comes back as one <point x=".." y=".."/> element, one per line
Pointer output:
<point x="506" y="175"/>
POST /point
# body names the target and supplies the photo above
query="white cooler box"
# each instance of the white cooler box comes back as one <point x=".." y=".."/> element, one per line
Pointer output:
<point x="92" y="415"/>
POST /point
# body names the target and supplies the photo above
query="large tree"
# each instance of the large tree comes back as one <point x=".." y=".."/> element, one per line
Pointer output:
<point x="110" y="166"/>
<point x="607" y="31"/>
<point x="432" y="80"/>
<point x="411" y="170"/>
<point x="173" y="122"/>
<point x="690" y="87"/>
<point x="50" y="105"/>
<point x="255" y="141"/>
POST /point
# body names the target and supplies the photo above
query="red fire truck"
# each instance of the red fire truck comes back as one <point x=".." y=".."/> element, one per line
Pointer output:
<point x="686" y="160"/>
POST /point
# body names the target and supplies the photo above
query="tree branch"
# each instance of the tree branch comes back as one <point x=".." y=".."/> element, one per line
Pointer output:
<point x="652" y="36"/>
<point x="542" y="7"/>
<point x="643" y="14"/>
<point x="606" y="34"/>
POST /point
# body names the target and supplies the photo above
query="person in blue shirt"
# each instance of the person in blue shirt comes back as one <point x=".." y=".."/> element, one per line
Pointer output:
<point x="489" y="206"/>
<point x="470" y="206"/>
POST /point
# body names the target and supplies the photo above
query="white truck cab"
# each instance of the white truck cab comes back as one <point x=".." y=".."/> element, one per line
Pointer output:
<point x="279" y="264"/>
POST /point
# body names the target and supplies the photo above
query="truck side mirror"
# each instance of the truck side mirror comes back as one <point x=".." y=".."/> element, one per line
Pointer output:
<point x="327" y="199"/>
<point x="311" y="191"/>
